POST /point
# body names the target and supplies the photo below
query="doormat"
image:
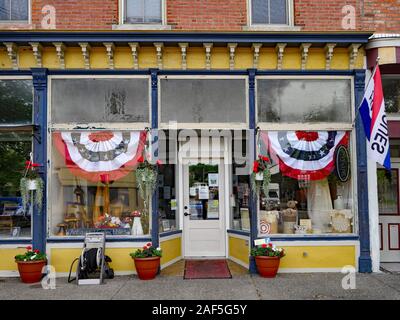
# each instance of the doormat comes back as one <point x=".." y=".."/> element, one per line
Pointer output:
<point x="206" y="269"/>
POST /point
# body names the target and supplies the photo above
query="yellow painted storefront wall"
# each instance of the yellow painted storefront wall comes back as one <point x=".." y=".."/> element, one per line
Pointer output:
<point x="172" y="249"/>
<point x="7" y="261"/>
<point x="239" y="249"/>
<point x="196" y="59"/>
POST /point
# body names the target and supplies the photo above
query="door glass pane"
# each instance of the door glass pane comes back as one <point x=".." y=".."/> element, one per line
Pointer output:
<point x="388" y="191"/>
<point x="203" y="192"/>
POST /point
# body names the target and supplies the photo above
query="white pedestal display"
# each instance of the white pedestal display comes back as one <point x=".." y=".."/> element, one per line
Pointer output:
<point x="137" y="229"/>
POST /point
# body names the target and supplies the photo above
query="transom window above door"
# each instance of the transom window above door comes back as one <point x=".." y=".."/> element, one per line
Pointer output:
<point x="14" y="10"/>
<point x="270" y="12"/>
<point x="143" y="11"/>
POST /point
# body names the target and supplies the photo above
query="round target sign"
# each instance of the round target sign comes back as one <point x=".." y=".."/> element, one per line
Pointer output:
<point x="265" y="227"/>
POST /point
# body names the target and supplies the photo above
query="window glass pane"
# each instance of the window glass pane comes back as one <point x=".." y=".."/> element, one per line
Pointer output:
<point x="100" y="100"/>
<point x="259" y="10"/>
<point x="203" y="101"/>
<point x="391" y="90"/>
<point x="310" y="192"/>
<point x="19" y="10"/>
<point x="295" y="100"/>
<point x="388" y="191"/>
<point x="14" y="151"/>
<point x="93" y="184"/>
<point x="278" y="11"/>
<point x="16" y="101"/>
<point x="394" y="148"/>
<point x="143" y="11"/>
<point x="4" y="9"/>
<point x="134" y="11"/>
<point x="152" y="11"/>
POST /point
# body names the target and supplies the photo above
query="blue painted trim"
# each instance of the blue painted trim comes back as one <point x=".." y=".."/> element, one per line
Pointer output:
<point x="364" y="262"/>
<point x="80" y="239"/>
<point x="238" y="232"/>
<point x="193" y="37"/>
<point x="154" y="125"/>
<point x="16" y="241"/>
<point x="170" y="233"/>
<point x="9" y="72"/>
<point x="39" y="76"/>
<point x="86" y="72"/>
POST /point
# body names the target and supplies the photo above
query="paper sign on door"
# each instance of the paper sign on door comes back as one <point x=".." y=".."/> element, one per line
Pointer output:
<point x="203" y="192"/>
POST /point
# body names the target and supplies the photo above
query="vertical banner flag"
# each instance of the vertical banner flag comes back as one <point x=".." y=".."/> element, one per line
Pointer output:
<point x="372" y="111"/>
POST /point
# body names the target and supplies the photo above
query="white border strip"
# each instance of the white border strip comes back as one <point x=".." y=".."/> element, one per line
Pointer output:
<point x="239" y="262"/>
<point x="171" y="262"/>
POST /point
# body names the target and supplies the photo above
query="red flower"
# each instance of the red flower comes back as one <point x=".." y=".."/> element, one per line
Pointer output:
<point x="265" y="158"/>
<point x="264" y="245"/>
<point x="159" y="162"/>
<point x="149" y="244"/>
<point x="36" y="251"/>
<point x="255" y="166"/>
<point x="144" y="248"/>
<point x="29" y="248"/>
<point x="141" y="159"/>
<point x="270" y="245"/>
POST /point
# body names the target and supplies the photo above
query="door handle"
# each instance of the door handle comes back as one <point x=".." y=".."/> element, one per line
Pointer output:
<point x="186" y="214"/>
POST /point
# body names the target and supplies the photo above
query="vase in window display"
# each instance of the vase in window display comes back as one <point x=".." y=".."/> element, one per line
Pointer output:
<point x="319" y="205"/>
<point x="137" y="229"/>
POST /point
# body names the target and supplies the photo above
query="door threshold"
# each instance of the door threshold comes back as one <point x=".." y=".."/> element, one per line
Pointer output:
<point x="205" y="258"/>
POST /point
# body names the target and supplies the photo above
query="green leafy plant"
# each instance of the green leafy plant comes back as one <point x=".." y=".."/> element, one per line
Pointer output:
<point x="146" y="252"/>
<point x="267" y="250"/>
<point x="260" y="166"/>
<point x="31" y="255"/>
<point x="31" y="174"/>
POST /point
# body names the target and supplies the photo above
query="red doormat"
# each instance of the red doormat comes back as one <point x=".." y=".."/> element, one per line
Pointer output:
<point x="206" y="269"/>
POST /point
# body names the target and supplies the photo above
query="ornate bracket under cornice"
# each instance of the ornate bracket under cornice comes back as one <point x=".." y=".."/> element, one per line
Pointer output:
<point x="159" y="46"/>
<point x="60" y="51"/>
<point x="110" y="53"/>
<point x="135" y="54"/>
<point x="280" y="49"/>
<point x="37" y="53"/>
<point x="12" y="52"/>
<point x="353" y="54"/>
<point x="86" y="53"/>
<point x="304" y="54"/>
<point x="184" y="46"/>
<point x="208" y="47"/>
<point x="256" y="54"/>
<point x="329" y="55"/>
<point x="232" y="49"/>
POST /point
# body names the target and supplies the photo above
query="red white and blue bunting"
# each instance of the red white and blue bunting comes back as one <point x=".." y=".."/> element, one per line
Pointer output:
<point x="100" y="156"/>
<point x="304" y="153"/>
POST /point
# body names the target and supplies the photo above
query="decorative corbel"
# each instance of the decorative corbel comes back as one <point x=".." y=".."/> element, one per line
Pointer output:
<point x="208" y="47"/>
<point x="329" y="55"/>
<point x="256" y="54"/>
<point x="135" y="54"/>
<point x="304" y="54"/>
<point x="37" y="53"/>
<point x="60" y="51"/>
<point x="86" y="53"/>
<point x="280" y="49"/>
<point x="110" y="53"/>
<point x="159" y="46"/>
<point x="353" y="54"/>
<point x="184" y="47"/>
<point x="232" y="49"/>
<point x="12" y="51"/>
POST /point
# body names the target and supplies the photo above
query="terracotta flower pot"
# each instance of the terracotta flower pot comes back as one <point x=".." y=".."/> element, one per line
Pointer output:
<point x="267" y="266"/>
<point x="147" y="268"/>
<point x="30" y="271"/>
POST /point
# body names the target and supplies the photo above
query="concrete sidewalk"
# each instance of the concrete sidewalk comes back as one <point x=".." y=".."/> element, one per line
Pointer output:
<point x="245" y="286"/>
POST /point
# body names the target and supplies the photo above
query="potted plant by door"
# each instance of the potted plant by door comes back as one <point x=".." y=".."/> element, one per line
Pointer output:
<point x="30" y="265"/>
<point x="31" y="186"/>
<point x="267" y="258"/>
<point x="147" y="261"/>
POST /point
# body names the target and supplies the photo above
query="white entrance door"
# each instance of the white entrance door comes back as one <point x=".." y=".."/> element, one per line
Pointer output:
<point x="204" y="209"/>
<point x="389" y="214"/>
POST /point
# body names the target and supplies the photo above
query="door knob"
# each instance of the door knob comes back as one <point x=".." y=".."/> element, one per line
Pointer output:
<point x="186" y="214"/>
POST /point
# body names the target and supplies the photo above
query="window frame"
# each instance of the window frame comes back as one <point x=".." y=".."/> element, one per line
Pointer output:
<point x="192" y="125"/>
<point x="12" y="128"/>
<point x="122" y="11"/>
<point x="117" y="126"/>
<point x="327" y="126"/>
<point x="289" y="13"/>
<point x="27" y="21"/>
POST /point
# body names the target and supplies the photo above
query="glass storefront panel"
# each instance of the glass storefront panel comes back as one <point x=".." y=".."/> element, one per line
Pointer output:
<point x="391" y="90"/>
<point x="388" y="191"/>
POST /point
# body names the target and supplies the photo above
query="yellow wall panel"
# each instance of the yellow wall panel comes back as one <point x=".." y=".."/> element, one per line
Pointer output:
<point x="387" y="55"/>
<point x="268" y="59"/>
<point x="74" y="58"/>
<point x="243" y="58"/>
<point x="171" y="249"/>
<point x="123" y="58"/>
<point x="219" y="58"/>
<point x="172" y="58"/>
<point x="291" y="59"/>
<point x="7" y="261"/>
<point x="316" y="59"/>
<point x="49" y="58"/>
<point x="26" y="60"/>
<point x="147" y="57"/>
<point x="98" y="58"/>
<point x="360" y="59"/>
<point x="340" y="59"/>
<point x="196" y="58"/>
<point x="319" y="257"/>
<point x="239" y="249"/>
<point x="5" y="62"/>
